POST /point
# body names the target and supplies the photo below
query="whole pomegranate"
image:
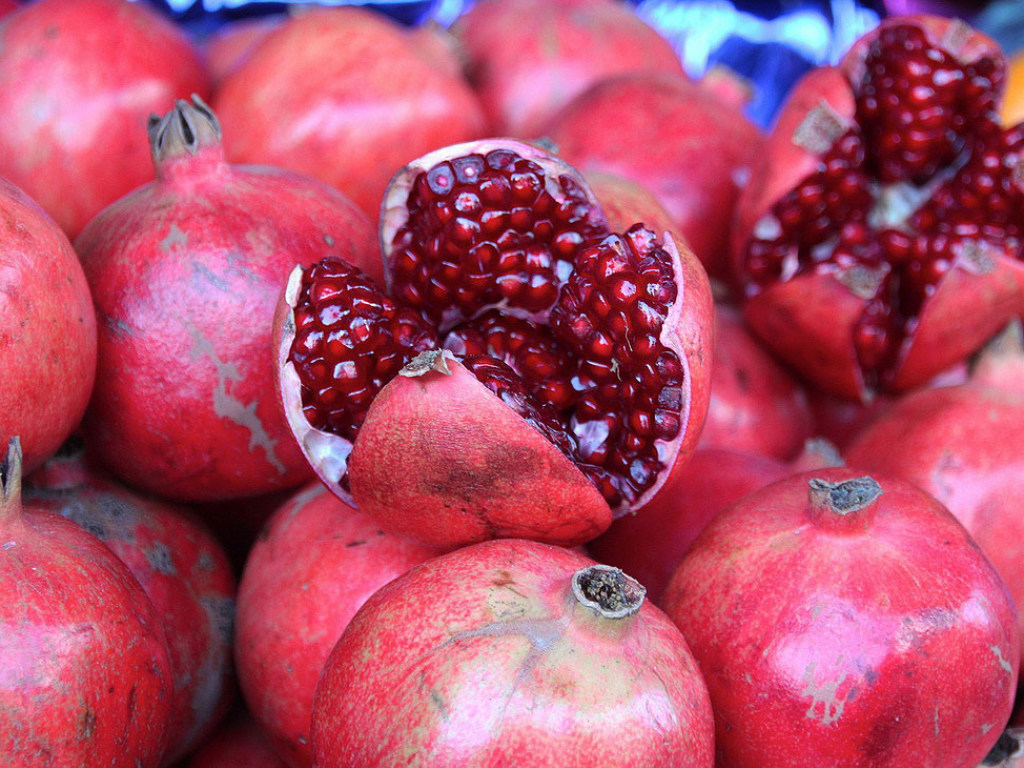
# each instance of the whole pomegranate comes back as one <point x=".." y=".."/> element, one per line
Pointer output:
<point x="879" y="238"/>
<point x="756" y="404"/>
<point x="652" y="544"/>
<point x="84" y="672"/>
<point x="78" y="78"/>
<point x="844" y="620"/>
<point x="527" y="373"/>
<point x="511" y="653"/>
<point x="345" y="96"/>
<point x="316" y="563"/>
<point x="47" y="329"/>
<point x="964" y="444"/>
<point x="692" y="149"/>
<point x="524" y="73"/>
<point x="180" y="566"/>
<point x="240" y="743"/>
<point x="186" y="272"/>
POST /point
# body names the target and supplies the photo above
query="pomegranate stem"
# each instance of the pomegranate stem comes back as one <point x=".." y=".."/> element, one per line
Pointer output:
<point x="847" y="506"/>
<point x="10" y="483"/>
<point x="608" y="591"/>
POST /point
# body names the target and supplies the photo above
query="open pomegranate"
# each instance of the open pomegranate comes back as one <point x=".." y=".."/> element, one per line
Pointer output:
<point x="847" y="621"/>
<point x="879" y="238"/>
<point x="511" y="653"/>
<point x="531" y="373"/>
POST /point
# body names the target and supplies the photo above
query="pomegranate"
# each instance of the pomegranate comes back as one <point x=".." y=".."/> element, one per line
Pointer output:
<point x="963" y="445"/>
<point x="593" y="342"/>
<point x="315" y="564"/>
<point x="180" y="566"/>
<point x="652" y="544"/>
<point x="756" y="404"/>
<point x="47" y="329"/>
<point x="626" y="202"/>
<point x="238" y="744"/>
<point x="524" y="73"/>
<point x="186" y="273"/>
<point x="345" y="96"/>
<point x="847" y="621"/>
<point x="84" y="673"/>
<point x="73" y="133"/>
<point x="879" y="238"/>
<point x="695" y="136"/>
<point x="230" y="46"/>
<point x="511" y="653"/>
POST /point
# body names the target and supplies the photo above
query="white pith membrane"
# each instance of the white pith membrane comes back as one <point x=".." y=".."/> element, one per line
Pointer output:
<point x="329" y="453"/>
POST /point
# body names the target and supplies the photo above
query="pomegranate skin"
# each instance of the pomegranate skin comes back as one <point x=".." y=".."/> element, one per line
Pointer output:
<point x="835" y="626"/>
<point x="345" y="96"/>
<point x="85" y="674"/>
<point x="47" y="329"/>
<point x="240" y="743"/>
<point x="963" y="444"/>
<point x="696" y="137"/>
<point x="652" y="544"/>
<point x="186" y="273"/>
<point x="74" y="138"/>
<point x="441" y="460"/>
<point x="316" y="562"/>
<point x="487" y="657"/>
<point x="525" y="73"/>
<point x="183" y="572"/>
<point x="756" y="404"/>
<point x="625" y="203"/>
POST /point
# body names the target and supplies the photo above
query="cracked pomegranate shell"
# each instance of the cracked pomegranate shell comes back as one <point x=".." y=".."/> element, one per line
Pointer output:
<point x="525" y="373"/>
<point x="511" y="653"/>
<point x="185" y="274"/>
<point x="879" y="238"/>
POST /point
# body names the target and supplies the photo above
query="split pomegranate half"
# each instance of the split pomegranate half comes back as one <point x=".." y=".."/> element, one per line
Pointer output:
<point x="525" y="372"/>
<point x="880" y="237"/>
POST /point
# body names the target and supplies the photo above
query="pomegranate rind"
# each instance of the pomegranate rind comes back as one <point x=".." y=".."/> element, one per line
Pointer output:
<point x="977" y="297"/>
<point x="326" y="453"/>
<point x="790" y="153"/>
<point x="441" y="460"/>
<point x="819" y="307"/>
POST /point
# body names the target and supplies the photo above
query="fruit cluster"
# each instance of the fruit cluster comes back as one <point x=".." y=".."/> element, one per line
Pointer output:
<point x="503" y="396"/>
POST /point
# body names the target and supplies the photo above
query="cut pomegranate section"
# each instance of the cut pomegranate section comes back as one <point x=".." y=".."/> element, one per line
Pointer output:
<point x="902" y="214"/>
<point x="600" y="350"/>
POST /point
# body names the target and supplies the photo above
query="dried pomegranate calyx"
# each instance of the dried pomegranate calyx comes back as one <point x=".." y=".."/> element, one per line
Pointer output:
<point x="608" y="591"/>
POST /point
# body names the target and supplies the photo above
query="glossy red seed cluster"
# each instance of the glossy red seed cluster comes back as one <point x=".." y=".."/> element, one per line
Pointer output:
<point x="611" y="313"/>
<point x="486" y="229"/>
<point x="924" y="118"/>
<point x="527" y="347"/>
<point x="350" y="340"/>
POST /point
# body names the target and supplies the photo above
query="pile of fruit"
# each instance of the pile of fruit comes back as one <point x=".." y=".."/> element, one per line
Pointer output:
<point x="499" y="395"/>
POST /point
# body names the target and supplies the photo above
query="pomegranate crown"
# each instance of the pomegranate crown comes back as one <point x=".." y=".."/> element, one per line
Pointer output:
<point x="186" y="128"/>
<point x="10" y="472"/>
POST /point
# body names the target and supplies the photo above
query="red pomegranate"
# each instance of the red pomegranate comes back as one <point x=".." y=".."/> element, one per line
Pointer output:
<point x="316" y="563"/>
<point x="47" y="329"/>
<point x="524" y="73"/>
<point x="846" y="621"/>
<point x="964" y="445"/>
<point x="84" y="672"/>
<point x="652" y="544"/>
<point x="183" y="571"/>
<point x="230" y="46"/>
<point x="756" y="404"/>
<point x="696" y="136"/>
<point x="73" y="134"/>
<point x="879" y="238"/>
<point x="345" y="96"/>
<point x="511" y="653"/>
<point x="238" y="744"/>
<point x="594" y="343"/>
<point x="186" y="273"/>
<point x="626" y="202"/>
